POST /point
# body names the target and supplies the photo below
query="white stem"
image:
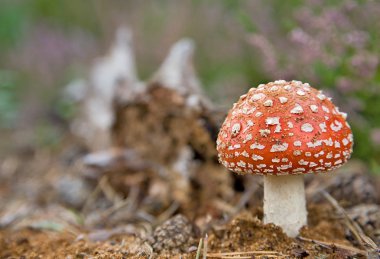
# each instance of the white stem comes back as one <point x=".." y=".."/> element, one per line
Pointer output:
<point x="284" y="202"/>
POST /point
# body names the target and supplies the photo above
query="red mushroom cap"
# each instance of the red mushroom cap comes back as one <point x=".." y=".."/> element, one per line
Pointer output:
<point x="284" y="128"/>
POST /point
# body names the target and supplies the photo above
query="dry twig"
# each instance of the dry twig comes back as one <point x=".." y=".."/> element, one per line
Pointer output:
<point x="252" y="187"/>
<point x="91" y="198"/>
<point x="246" y="255"/>
<point x="332" y="246"/>
<point x="366" y="242"/>
<point x="167" y="213"/>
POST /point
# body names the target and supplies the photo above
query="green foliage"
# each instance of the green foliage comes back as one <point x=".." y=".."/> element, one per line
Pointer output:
<point x="8" y="98"/>
<point x="13" y="18"/>
<point x="47" y="135"/>
<point x="66" y="108"/>
<point x="68" y="13"/>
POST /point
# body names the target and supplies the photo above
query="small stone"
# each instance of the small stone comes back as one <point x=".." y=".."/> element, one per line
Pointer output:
<point x="175" y="234"/>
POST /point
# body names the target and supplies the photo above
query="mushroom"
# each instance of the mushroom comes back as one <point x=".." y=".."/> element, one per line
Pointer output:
<point x="283" y="130"/>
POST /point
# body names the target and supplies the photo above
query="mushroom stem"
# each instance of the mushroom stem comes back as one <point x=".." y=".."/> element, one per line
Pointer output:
<point x="284" y="202"/>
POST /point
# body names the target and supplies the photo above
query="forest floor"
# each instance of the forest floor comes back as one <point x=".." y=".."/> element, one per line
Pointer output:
<point x="159" y="192"/>
<point x="36" y="222"/>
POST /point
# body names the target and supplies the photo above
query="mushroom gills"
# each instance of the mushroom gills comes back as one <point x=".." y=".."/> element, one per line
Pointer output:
<point x="284" y="202"/>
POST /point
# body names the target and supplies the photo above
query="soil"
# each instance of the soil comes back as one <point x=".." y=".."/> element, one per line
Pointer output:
<point x="244" y="233"/>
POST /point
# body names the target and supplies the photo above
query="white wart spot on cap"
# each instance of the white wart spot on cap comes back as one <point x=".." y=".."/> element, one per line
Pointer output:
<point x="264" y="132"/>
<point x="319" y="154"/>
<point x="344" y="115"/>
<point x="323" y="126"/>
<point x="336" y="126"/>
<point x="297" y="152"/>
<point x="297" y="143"/>
<point x="235" y="129"/>
<point x="288" y="87"/>
<point x="247" y="110"/>
<point x="247" y="138"/>
<point x="307" y="127"/>
<point x="290" y="124"/>
<point x="312" y="164"/>
<point x="303" y="162"/>
<point x="257" y="146"/>
<point x="261" y="166"/>
<point x="325" y="109"/>
<point x="297" y="109"/>
<point x="274" y="121"/>
<point x="296" y="82"/>
<point x="276" y="160"/>
<point x="321" y="96"/>
<point x="279" y="147"/>
<point x="241" y="164"/>
<point x="274" y="88"/>
<point x="283" y="99"/>
<point x="245" y="153"/>
<point x="338" y="162"/>
<point x="298" y="170"/>
<point x="329" y="142"/>
<point x="248" y="126"/>
<point x="258" y="114"/>
<point x="257" y="157"/>
<point x="313" y="108"/>
<point x="257" y="97"/>
<point x="300" y="93"/>
<point x="316" y="143"/>
<point x="268" y="103"/>
<point x="284" y="167"/>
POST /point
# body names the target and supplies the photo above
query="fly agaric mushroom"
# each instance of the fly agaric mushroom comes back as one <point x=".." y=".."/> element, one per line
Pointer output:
<point x="283" y="130"/>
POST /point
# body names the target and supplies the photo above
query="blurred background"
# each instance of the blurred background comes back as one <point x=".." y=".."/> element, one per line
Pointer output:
<point x="333" y="45"/>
